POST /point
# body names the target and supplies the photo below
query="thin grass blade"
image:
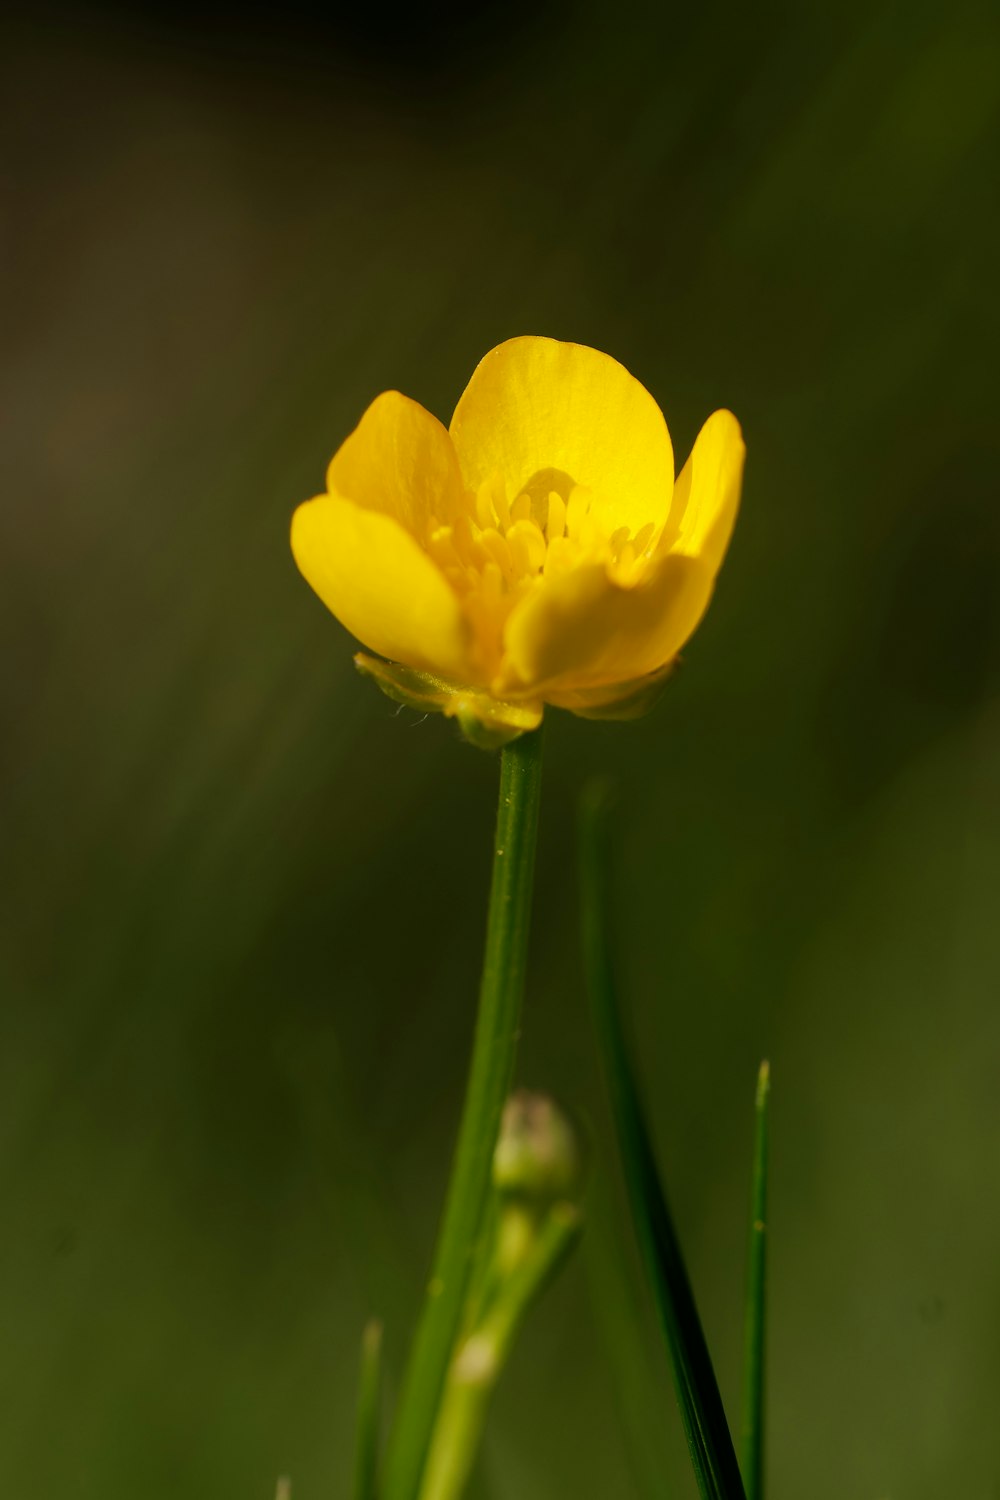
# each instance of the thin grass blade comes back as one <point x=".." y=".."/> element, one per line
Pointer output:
<point x="709" y="1440"/>
<point x="366" y="1446"/>
<point x="640" y="1382"/>
<point x="754" y="1344"/>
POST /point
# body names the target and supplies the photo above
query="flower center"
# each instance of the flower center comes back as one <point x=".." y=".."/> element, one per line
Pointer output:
<point x="498" y="551"/>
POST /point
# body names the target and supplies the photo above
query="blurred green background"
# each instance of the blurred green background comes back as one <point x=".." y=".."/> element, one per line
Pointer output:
<point x="243" y="898"/>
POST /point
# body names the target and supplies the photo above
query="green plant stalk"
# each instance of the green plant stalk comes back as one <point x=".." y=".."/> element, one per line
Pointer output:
<point x="369" y="1392"/>
<point x="754" y="1340"/>
<point x="490" y="1074"/>
<point x="710" y="1443"/>
<point x="481" y="1357"/>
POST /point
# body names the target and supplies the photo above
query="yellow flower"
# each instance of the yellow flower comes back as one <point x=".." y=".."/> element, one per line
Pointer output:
<point x="537" y="551"/>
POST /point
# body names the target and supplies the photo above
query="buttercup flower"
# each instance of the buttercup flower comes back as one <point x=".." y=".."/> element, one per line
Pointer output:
<point x="539" y="550"/>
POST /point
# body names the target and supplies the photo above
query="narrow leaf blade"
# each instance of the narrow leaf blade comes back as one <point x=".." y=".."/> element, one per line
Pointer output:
<point x="709" y="1440"/>
<point x="754" y="1344"/>
<point x="366" y="1446"/>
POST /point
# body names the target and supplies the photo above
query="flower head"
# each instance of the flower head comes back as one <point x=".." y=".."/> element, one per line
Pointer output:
<point x="538" y="550"/>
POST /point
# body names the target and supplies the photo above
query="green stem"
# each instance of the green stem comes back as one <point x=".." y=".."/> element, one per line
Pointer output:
<point x="489" y="1080"/>
<point x="366" y="1441"/>
<point x="754" y="1329"/>
<point x="482" y="1355"/>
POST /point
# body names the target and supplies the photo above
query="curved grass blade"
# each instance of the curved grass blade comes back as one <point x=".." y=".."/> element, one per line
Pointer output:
<point x="640" y="1385"/>
<point x="709" y="1440"/>
<point x="369" y="1391"/>
<point x="754" y="1344"/>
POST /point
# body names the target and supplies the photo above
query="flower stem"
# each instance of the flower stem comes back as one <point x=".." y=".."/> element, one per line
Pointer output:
<point x="489" y="1080"/>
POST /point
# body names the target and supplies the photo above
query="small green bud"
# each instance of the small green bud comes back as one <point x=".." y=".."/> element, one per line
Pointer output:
<point x="537" y="1157"/>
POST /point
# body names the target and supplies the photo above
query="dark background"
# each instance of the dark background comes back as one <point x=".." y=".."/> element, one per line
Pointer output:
<point x="243" y="899"/>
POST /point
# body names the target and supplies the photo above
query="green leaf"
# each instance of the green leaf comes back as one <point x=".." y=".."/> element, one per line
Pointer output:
<point x="709" y="1441"/>
<point x="754" y="1326"/>
<point x="367" y="1429"/>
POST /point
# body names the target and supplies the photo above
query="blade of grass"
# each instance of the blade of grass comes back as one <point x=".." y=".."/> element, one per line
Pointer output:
<point x="709" y="1440"/>
<point x="754" y="1326"/>
<point x="640" y="1386"/>
<point x="369" y="1392"/>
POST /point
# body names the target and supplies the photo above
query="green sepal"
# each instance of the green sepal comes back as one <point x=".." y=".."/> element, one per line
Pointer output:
<point x="488" y="723"/>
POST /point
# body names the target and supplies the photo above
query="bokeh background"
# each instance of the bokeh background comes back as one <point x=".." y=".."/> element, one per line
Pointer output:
<point x="243" y="897"/>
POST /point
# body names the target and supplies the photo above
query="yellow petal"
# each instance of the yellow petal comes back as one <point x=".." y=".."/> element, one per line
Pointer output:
<point x="707" y="492"/>
<point x="581" y="629"/>
<point x="399" y="460"/>
<point x="620" y="701"/>
<point x="381" y="585"/>
<point x="543" y="410"/>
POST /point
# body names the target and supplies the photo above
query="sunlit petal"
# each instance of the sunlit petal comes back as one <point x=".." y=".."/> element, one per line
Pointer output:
<point x="399" y="460"/>
<point x="537" y="407"/>
<point x="584" y="629"/>
<point x="707" y="492"/>
<point x="381" y="585"/>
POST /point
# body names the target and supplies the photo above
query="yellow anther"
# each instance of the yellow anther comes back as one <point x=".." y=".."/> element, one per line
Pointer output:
<point x="442" y="546"/>
<point x="499" y="551"/>
<point x="521" y="509"/>
<point x="485" y="513"/>
<point x="643" y="537"/>
<point x="527" y="546"/>
<point x="576" y="508"/>
<point x="555" y="523"/>
<point x="493" y="584"/>
<point x="499" y="494"/>
<point x="561" y="554"/>
<point x="468" y="541"/>
<point x="589" y="536"/>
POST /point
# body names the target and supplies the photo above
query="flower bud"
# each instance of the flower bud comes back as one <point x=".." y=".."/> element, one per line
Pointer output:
<point x="537" y="1157"/>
